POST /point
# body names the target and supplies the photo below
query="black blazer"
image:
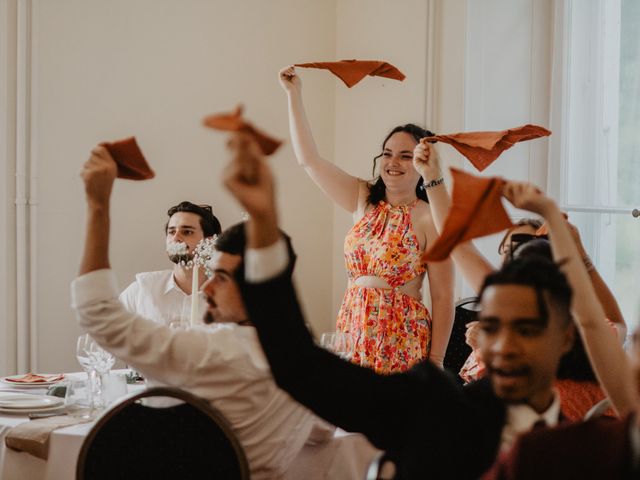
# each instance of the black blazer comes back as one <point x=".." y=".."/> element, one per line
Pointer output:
<point x="429" y="425"/>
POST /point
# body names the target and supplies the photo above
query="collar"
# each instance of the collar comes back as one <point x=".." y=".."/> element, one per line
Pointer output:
<point x="171" y="284"/>
<point x="522" y="417"/>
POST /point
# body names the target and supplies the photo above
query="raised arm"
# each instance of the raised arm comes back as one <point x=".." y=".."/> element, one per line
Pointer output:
<point x="605" y="352"/>
<point x="603" y="292"/>
<point x="441" y="285"/>
<point x="98" y="173"/>
<point x="467" y="258"/>
<point x="337" y="184"/>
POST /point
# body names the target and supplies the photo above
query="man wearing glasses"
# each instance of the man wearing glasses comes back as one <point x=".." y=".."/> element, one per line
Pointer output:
<point x="165" y="296"/>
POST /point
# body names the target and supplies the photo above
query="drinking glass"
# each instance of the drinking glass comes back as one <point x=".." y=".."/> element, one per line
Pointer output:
<point x="86" y="360"/>
<point x="338" y="343"/>
<point x="102" y="363"/>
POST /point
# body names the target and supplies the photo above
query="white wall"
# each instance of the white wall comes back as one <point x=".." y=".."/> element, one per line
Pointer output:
<point x="7" y="182"/>
<point x="106" y="70"/>
<point x="154" y="68"/>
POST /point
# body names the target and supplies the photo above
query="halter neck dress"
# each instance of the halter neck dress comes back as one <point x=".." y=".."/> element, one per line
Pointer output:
<point x="388" y="329"/>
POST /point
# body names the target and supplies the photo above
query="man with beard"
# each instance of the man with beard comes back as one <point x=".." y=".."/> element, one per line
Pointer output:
<point x="165" y="296"/>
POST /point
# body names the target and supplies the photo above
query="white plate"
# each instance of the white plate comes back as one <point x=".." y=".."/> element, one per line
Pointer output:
<point x="7" y="381"/>
<point x="27" y="411"/>
<point x="24" y="401"/>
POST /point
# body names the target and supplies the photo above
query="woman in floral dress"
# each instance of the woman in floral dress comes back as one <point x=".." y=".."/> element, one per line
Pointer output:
<point x="382" y="312"/>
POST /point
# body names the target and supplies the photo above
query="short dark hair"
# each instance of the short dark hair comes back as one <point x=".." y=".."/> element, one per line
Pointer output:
<point x="377" y="190"/>
<point x="540" y="273"/>
<point x="208" y="221"/>
<point x="234" y="242"/>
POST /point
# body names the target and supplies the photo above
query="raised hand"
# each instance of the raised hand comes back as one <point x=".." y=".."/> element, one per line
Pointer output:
<point x="256" y="192"/>
<point x="427" y="161"/>
<point x="99" y="173"/>
<point x="289" y="79"/>
<point x="528" y="197"/>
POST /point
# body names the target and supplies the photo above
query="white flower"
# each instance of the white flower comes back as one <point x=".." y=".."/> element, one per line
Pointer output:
<point x="203" y="253"/>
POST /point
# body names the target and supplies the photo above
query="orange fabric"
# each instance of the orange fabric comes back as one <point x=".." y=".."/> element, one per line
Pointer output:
<point x="482" y="148"/>
<point x="233" y="122"/>
<point x="576" y="398"/>
<point x="352" y="71"/>
<point x="476" y="211"/>
<point x="35" y="378"/>
<point x="131" y="162"/>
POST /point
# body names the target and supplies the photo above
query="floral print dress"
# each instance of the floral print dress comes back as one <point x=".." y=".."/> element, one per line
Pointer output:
<point x="389" y="330"/>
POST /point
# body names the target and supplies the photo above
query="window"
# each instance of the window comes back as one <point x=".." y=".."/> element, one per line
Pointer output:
<point x="595" y="159"/>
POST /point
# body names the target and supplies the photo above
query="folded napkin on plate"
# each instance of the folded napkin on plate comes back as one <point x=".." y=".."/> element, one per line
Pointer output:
<point x="33" y="436"/>
<point x="476" y="210"/>
<point x="352" y="71"/>
<point x="131" y="162"/>
<point x="233" y="122"/>
<point x="35" y="378"/>
<point x="482" y="148"/>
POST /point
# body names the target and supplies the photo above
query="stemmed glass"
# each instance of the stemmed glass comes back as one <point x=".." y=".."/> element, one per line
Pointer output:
<point x="102" y="363"/>
<point x="96" y="362"/>
<point x="86" y="360"/>
<point x="338" y="343"/>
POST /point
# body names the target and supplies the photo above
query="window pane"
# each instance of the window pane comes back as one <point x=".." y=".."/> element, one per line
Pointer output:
<point x="612" y="242"/>
<point x="629" y="115"/>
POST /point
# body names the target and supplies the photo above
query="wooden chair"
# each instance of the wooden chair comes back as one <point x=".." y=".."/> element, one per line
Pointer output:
<point x="184" y="441"/>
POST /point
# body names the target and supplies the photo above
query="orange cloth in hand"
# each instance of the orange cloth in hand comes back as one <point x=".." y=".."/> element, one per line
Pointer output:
<point x="233" y="122"/>
<point x="482" y="148"/>
<point x="352" y="71"/>
<point x="131" y="163"/>
<point x="476" y="210"/>
<point x="35" y="378"/>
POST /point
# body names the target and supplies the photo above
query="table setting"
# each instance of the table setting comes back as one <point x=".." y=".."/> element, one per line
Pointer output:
<point x="44" y="417"/>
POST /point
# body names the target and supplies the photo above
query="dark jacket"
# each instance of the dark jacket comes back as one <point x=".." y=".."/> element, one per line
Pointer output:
<point x="429" y="425"/>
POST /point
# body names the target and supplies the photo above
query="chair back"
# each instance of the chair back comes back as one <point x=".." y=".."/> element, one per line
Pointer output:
<point x="186" y="441"/>
<point x="466" y="311"/>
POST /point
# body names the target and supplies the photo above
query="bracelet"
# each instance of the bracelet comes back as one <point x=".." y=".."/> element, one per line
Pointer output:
<point x="434" y="183"/>
<point x="588" y="264"/>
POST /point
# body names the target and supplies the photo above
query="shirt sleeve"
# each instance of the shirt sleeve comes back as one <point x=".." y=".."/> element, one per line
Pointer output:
<point x="174" y="357"/>
<point x="265" y="263"/>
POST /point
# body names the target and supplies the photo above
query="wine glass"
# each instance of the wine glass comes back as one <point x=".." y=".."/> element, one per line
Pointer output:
<point x="338" y="343"/>
<point x="86" y="360"/>
<point x="102" y="362"/>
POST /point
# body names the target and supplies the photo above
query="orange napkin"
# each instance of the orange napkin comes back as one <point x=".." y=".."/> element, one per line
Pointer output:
<point x="476" y="211"/>
<point x="233" y="122"/>
<point x="35" y="378"/>
<point x="131" y="163"/>
<point x="482" y="148"/>
<point x="352" y="71"/>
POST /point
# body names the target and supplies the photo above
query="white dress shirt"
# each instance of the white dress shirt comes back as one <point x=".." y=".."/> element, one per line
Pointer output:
<point x="156" y="296"/>
<point x="521" y="418"/>
<point x="222" y="363"/>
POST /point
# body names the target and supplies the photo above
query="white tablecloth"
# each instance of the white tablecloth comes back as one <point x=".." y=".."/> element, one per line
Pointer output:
<point x="346" y="456"/>
<point x="64" y="447"/>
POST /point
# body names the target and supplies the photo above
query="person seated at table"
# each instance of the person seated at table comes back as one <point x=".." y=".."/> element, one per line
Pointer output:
<point x="429" y="426"/>
<point x="165" y="296"/>
<point x="577" y="384"/>
<point x="222" y="363"/>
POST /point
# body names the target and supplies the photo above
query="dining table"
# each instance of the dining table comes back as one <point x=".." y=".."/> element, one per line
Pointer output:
<point x="64" y="443"/>
<point x="346" y="455"/>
